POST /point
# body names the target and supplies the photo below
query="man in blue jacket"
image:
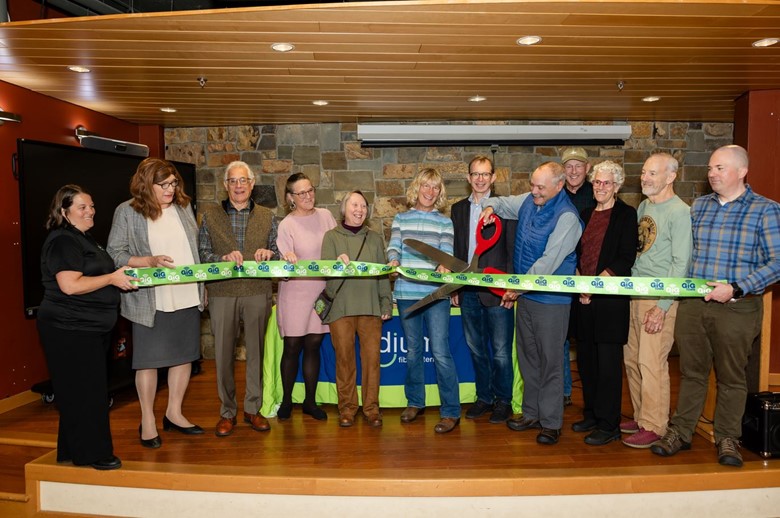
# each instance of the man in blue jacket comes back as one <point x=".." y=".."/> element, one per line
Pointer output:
<point x="548" y="229"/>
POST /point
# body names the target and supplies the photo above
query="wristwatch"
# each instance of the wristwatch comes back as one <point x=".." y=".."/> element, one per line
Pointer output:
<point x="738" y="293"/>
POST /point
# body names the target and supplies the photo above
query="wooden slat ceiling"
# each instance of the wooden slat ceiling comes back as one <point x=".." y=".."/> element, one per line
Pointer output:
<point x="395" y="61"/>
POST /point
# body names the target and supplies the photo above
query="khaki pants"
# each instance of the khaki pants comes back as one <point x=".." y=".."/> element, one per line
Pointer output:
<point x="226" y="314"/>
<point x="647" y="367"/>
<point x="369" y="332"/>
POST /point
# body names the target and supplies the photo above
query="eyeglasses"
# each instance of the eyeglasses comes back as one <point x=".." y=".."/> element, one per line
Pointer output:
<point x="430" y="187"/>
<point x="481" y="176"/>
<point x="304" y="194"/>
<point x="167" y="185"/>
<point x="242" y="180"/>
<point x="604" y="183"/>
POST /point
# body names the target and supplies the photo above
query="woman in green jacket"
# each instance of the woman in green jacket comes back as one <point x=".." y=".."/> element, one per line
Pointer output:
<point x="359" y="307"/>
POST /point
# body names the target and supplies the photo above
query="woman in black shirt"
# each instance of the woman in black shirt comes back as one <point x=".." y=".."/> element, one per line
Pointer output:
<point x="79" y="309"/>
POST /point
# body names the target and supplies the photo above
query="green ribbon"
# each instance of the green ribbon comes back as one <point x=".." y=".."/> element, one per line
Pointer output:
<point x="631" y="286"/>
<point x="254" y="270"/>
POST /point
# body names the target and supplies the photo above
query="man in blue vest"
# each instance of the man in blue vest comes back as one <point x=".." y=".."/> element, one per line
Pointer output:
<point x="548" y="229"/>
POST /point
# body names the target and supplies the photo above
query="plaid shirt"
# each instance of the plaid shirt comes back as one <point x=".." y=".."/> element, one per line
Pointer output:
<point x="737" y="242"/>
<point x="238" y="222"/>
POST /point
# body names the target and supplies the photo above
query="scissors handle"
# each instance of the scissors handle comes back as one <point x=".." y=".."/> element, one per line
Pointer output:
<point x="498" y="291"/>
<point x="483" y="245"/>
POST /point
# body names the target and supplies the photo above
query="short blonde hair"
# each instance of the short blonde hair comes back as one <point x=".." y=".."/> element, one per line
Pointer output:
<point x="427" y="175"/>
<point x="346" y="198"/>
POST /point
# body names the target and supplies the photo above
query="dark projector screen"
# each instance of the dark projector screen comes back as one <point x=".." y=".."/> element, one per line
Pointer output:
<point x="44" y="168"/>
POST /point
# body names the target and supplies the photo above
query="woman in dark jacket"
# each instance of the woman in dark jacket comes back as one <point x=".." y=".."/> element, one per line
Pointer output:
<point x="607" y="249"/>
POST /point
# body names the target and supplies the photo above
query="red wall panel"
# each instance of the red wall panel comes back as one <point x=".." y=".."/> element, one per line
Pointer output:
<point x="46" y="119"/>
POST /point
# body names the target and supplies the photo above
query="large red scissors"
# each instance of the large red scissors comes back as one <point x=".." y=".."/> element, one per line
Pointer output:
<point x="455" y="265"/>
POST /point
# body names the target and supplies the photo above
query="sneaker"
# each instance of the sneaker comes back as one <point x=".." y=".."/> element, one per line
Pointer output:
<point x="478" y="409"/>
<point x="641" y="439"/>
<point x="501" y="412"/>
<point x="728" y="455"/>
<point x="567" y="401"/>
<point x="669" y="444"/>
<point x="629" y="426"/>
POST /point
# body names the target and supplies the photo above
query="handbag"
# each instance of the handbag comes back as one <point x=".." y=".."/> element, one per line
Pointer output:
<point x="324" y="302"/>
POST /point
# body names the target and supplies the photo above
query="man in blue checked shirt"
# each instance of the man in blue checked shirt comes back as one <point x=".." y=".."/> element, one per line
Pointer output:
<point x="736" y="239"/>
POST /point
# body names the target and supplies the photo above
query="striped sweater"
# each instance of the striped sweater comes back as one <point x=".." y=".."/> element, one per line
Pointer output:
<point x="432" y="228"/>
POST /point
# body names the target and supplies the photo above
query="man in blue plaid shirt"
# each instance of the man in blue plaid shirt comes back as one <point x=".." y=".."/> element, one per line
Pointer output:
<point x="736" y="239"/>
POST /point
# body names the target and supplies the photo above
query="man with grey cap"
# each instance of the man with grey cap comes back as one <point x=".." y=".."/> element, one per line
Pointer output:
<point x="580" y="191"/>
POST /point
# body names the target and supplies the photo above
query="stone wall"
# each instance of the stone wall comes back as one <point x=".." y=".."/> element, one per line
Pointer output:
<point x="331" y="156"/>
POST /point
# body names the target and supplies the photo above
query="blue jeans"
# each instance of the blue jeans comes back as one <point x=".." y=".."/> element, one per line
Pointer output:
<point x="566" y="369"/>
<point x="435" y="319"/>
<point x="489" y="331"/>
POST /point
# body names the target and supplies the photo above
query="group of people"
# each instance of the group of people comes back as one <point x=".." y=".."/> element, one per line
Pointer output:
<point x="571" y="222"/>
<point x="729" y="237"/>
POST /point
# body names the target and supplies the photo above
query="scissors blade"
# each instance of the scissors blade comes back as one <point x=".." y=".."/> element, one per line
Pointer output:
<point x="439" y="294"/>
<point x="453" y="264"/>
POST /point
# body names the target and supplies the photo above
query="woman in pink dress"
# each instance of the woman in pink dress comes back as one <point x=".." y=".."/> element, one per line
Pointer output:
<point x="300" y="238"/>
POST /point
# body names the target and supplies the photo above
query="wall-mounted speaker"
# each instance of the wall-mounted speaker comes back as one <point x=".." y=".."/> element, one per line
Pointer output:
<point x="92" y="141"/>
<point x="761" y="424"/>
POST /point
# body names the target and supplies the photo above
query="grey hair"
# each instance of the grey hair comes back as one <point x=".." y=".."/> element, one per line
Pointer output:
<point x="236" y="164"/>
<point x="672" y="165"/>
<point x="608" y="166"/>
<point x="557" y="170"/>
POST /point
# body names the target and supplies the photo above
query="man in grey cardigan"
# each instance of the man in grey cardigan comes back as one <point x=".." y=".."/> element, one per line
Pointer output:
<point x="239" y="230"/>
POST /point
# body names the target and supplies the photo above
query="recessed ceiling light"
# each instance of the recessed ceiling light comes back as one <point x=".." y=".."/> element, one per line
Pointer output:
<point x="529" y="40"/>
<point x="79" y="69"/>
<point x="766" y="42"/>
<point x="477" y="99"/>
<point x="320" y="103"/>
<point x="167" y="109"/>
<point x="283" y="47"/>
<point x="651" y="99"/>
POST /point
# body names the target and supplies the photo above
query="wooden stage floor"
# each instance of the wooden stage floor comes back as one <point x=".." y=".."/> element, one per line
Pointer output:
<point x="302" y="456"/>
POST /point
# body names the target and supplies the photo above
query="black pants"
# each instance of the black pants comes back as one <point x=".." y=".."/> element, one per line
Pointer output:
<point x="601" y="372"/>
<point x="77" y="365"/>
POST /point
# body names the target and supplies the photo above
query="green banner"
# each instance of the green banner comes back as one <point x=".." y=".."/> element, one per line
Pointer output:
<point x="631" y="286"/>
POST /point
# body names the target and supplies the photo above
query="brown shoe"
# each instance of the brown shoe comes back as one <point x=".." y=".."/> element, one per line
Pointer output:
<point x="345" y="421"/>
<point x="374" y="420"/>
<point x="258" y="422"/>
<point x="447" y="424"/>
<point x="225" y="426"/>
<point x="410" y="413"/>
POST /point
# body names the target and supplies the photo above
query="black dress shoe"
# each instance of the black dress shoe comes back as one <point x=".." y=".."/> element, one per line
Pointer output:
<point x="586" y="425"/>
<point x="155" y="442"/>
<point x="315" y="411"/>
<point x="601" y="437"/>
<point x="501" y="412"/>
<point x="112" y="462"/>
<point x="190" y="430"/>
<point x="548" y="436"/>
<point x="284" y="412"/>
<point x="478" y="409"/>
<point x="520" y="424"/>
